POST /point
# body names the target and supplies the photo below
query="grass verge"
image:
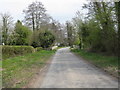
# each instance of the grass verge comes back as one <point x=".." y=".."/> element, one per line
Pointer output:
<point x="19" y="70"/>
<point x="108" y="63"/>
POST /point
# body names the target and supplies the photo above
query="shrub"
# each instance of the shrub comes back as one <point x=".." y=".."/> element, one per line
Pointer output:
<point x="21" y="36"/>
<point x="46" y="39"/>
<point x="43" y="39"/>
<point x="39" y="48"/>
<point x="11" y="51"/>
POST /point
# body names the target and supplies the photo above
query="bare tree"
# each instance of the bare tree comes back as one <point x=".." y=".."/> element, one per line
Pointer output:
<point x="35" y="14"/>
<point x="6" y="25"/>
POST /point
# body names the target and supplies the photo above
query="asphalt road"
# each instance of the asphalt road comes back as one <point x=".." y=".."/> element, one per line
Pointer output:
<point x="69" y="71"/>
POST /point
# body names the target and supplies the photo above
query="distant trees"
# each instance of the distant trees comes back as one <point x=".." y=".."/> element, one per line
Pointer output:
<point x="45" y="30"/>
<point x="35" y="15"/>
<point x="6" y="27"/>
<point x="77" y="24"/>
<point x="43" y="39"/>
<point x="40" y="22"/>
<point x="46" y="39"/>
<point x="80" y="29"/>
<point x="69" y="33"/>
<point x="58" y="30"/>
<point x="103" y="13"/>
<point x="99" y="30"/>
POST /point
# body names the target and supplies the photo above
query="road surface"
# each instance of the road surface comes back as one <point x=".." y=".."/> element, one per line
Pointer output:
<point x="68" y="71"/>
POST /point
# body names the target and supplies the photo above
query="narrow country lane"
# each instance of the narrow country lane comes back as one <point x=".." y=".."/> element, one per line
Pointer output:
<point x="69" y="71"/>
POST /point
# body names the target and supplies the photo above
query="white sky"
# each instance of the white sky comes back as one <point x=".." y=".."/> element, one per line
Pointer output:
<point x="61" y="10"/>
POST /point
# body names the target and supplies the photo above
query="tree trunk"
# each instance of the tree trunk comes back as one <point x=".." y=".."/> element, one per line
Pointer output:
<point x="33" y="22"/>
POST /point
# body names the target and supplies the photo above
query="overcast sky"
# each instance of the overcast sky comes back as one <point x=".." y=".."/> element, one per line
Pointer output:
<point x="61" y="10"/>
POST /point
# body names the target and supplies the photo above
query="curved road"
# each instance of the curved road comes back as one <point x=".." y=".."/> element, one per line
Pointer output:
<point x="69" y="71"/>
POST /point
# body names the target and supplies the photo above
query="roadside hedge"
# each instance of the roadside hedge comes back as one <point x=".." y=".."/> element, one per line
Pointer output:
<point x="39" y="48"/>
<point x="11" y="51"/>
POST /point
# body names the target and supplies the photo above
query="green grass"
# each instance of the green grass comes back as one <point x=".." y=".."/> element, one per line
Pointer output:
<point x="109" y="63"/>
<point x="19" y="70"/>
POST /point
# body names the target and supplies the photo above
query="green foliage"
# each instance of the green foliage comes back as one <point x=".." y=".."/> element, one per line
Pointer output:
<point x="11" y="51"/>
<point x="77" y="41"/>
<point x="43" y="39"/>
<point x="117" y="7"/>
<point x="21" y="36"/>
<point x="46" y="39"/>
<point x="39" y="48"/>
<point x="18" y="71"/>
<point x="98" y="31"/>
<point x="93" y="40"/>
<point x="83" y="34"/>
<point x="107" y="33"/>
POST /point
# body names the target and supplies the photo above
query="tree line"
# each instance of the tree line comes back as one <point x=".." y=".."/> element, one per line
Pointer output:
<point x="98" y="30"/>
<point x="38" y="28"/>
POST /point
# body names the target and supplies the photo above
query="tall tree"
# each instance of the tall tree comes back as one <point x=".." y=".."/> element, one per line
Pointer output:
<point x="119" y="21"/>
<point x="22" y="34"/>
<point x="58" y="31"/>
<point x="102" y="12"/>
<point x="79" y="26"/>
<point x="35" y="14"/>
<point x="6" y="27"/>
<point x="117" y="7"/>
<point x="69" y="33"/>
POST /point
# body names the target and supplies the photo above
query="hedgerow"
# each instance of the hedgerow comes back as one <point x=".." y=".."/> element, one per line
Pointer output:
<point x="11" y="51"/>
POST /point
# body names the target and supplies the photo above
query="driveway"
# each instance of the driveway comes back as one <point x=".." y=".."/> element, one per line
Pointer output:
<point x="69" y="71"/>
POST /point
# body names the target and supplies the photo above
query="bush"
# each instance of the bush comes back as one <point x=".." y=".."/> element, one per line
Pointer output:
<point x="21" y="36"/>
<point x="39" y="48"/>
<point x="11" y="51"/>
<point x="43" y="39"/>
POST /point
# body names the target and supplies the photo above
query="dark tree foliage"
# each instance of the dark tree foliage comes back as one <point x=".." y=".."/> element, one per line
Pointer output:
<point x="117" y="7"/>
<point x="99" y="29"/>
<point x="46" y="39"/>
<point x="43" y="39"/>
